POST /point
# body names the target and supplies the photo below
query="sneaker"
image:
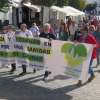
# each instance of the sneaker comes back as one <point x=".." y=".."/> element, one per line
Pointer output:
<point x="12" y="71"/>
<point x="79" y="83"/>
<point x="91" y="78"/>
<point x="22" y="74"/>
<point x="34" y="71"/>
<point x="45" y="78"/>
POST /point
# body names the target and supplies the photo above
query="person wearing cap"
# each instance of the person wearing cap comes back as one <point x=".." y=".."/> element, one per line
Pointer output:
<point x="73" y="27"/>
<point x="96" y="35"/>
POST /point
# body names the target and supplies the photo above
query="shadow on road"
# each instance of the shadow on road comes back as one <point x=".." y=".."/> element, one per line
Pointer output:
<point x="23" y="90"/>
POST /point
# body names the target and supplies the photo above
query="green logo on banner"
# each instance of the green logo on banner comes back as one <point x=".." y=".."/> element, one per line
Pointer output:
<point x="74" y="55"/>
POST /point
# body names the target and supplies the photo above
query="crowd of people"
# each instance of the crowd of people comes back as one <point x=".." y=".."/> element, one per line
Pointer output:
<point x="86" y="31"/>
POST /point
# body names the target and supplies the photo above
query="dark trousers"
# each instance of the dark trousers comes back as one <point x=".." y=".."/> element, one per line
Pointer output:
<point x="47" y="73"/>
<point x="24" y="68"/>
<point x="13" y="66"/>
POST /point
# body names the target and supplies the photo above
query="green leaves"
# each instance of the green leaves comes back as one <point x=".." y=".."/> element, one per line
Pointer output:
<point x="4" y="4"/>
<point x="90" y="7"/>
<point x="44" y="2"/>
<point x="60" y="3"/>
<point x="79" y="4"/>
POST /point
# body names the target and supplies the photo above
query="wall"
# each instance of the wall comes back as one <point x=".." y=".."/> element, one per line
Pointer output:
<point x="46" y="15"/>
<point x="4" y="16"/>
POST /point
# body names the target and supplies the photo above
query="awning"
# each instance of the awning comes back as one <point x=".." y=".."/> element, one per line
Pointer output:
<point x="55" y="8"/>
<point x="33" y="7"/>
<point x="73" y="10"/>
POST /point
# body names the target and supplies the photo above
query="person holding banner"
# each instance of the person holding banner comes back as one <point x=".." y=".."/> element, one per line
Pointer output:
<point x="26" y="32"/>
<point x="10" y="32"/>
<point x="87" y="38"/>
<point x="50" y="36"/>
<point x="5" y="32"/>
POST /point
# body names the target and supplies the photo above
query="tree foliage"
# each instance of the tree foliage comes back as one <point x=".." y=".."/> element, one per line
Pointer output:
<point x="78" y="4"/>
<point x="90" y="7"/>
<point x="60" y="3"/>
<point x="44" y="2"/>
<point x="4" y="5"/>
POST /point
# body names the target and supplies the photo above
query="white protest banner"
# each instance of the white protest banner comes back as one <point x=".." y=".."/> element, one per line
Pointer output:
<point x="61" y="57"/>
<point x="7" y="49"/>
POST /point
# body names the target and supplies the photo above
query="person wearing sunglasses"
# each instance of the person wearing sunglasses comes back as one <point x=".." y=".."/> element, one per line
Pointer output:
<point x="78" y="32"/>
<point x="35" y="30"/>
<point x="4" y="30"/>
<point x="10" y="33"/>
<point x="89" y="39"/>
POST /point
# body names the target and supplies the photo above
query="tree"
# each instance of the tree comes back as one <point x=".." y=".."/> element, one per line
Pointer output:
<point x="90" y="7"/>
<point x="62" y="3"/>
<point x="78" y="4"/>
<point x="4" y="5"/>
<point x="44" y="2"/>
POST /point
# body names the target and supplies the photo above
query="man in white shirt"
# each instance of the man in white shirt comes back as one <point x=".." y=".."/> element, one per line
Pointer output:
<point x="26" y="32"/>
<point x="73" y="27"/>
<point x="34" y="29"/>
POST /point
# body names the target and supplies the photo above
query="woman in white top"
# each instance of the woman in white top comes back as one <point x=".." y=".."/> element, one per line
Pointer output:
<point x="11" y="32"/>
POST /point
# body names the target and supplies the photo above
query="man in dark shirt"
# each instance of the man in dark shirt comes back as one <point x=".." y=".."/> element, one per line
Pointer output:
<point x="47" y="35"/>
<point x="50" y="36"/>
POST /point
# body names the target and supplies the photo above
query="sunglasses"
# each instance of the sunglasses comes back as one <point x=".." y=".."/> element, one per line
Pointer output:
<point x="4" y="29"/>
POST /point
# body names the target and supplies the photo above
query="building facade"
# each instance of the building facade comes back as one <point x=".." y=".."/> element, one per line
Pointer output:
<point x="22" y="12"/>
<point x="97" y="2"/>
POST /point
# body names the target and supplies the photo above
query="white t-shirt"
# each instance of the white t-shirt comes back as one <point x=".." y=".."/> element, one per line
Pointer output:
<point x="72" y="29"/>
<point x="26" y="32"/>
<point x="34" y="30"/>
<point x="10" y="33"/>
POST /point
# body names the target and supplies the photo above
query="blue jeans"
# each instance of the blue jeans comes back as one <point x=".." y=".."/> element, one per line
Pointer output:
<point x="90" y="69"/>
<point x="24" y="68"/>
<point x="47" y="73"/>
<point x="98" y="60"/>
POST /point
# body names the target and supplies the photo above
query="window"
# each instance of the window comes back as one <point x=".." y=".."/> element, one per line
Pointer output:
<point x="34" y="15"/>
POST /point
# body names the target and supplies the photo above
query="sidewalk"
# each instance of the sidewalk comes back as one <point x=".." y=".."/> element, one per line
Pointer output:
<point x="31" y="87"/>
